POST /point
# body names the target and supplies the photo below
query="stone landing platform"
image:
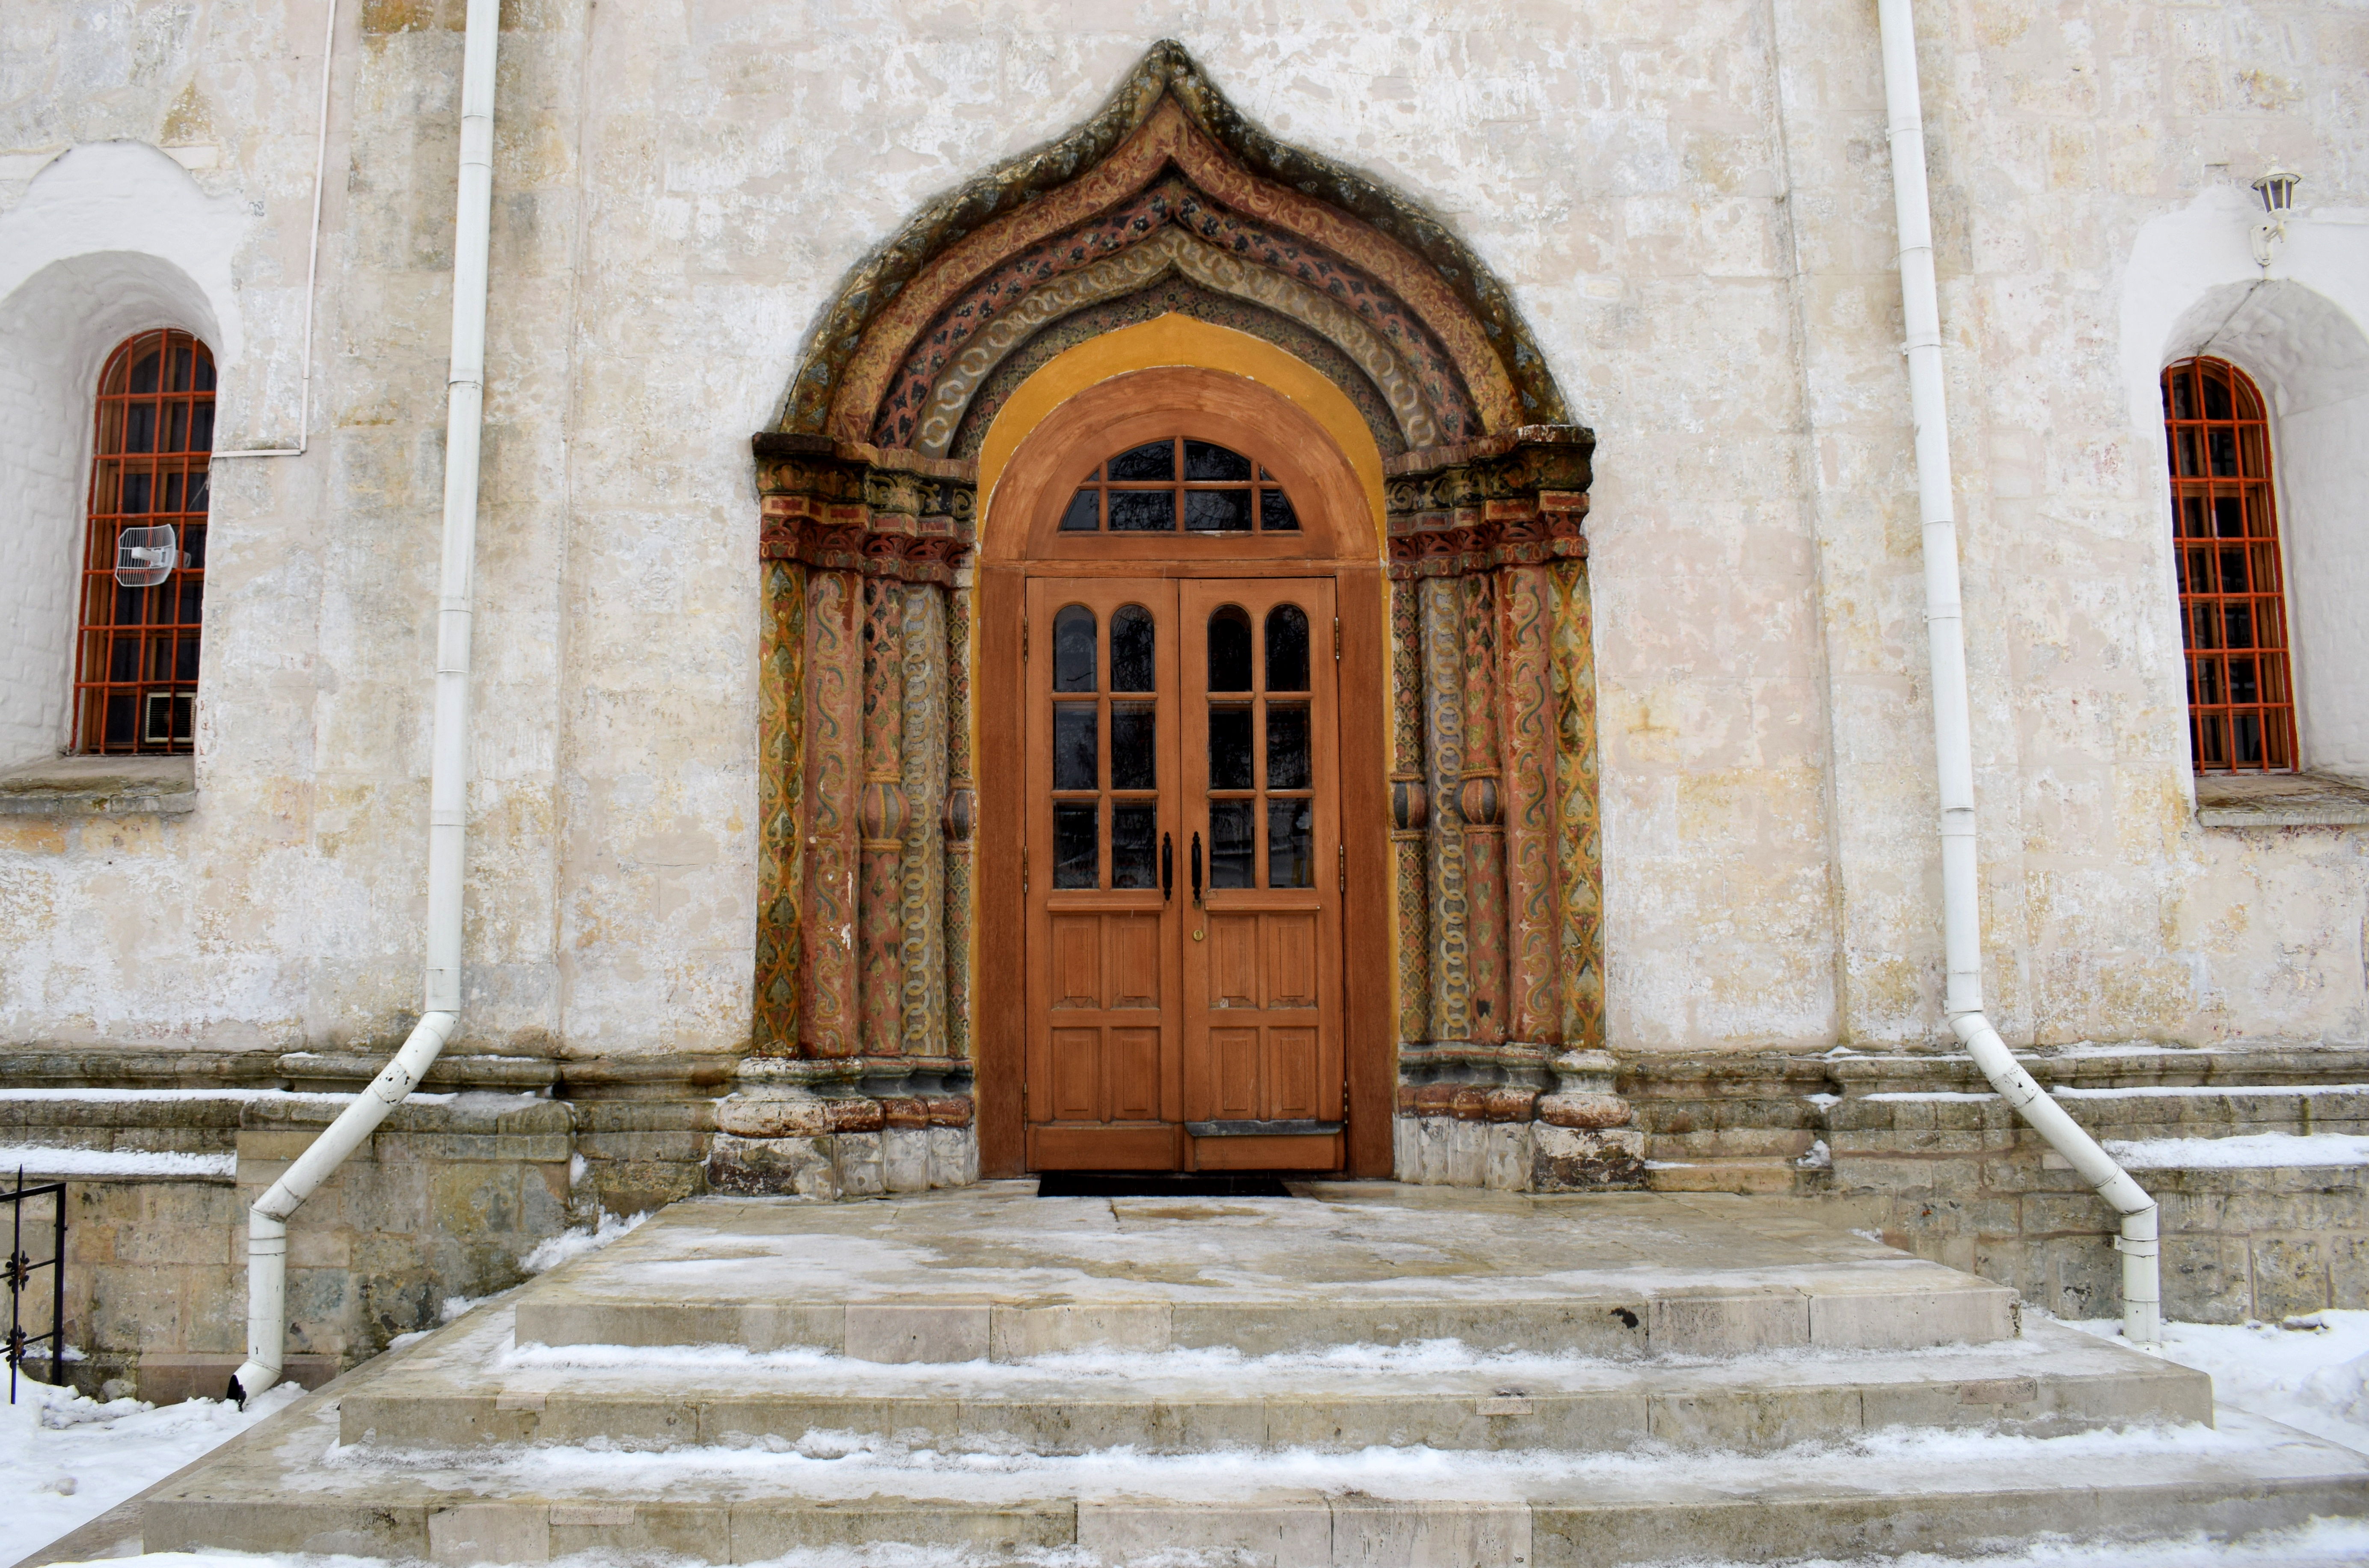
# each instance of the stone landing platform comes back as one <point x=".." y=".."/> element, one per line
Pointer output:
<point x="1359" y="1374"/>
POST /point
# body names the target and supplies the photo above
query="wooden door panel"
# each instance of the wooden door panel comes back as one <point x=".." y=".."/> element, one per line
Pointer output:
<point x="1103" y="1017"/>
<point x="1235" y="1054"/>
<point x="1077" y="1075"/>
<point x="1294" y="1063"/>
<point x="1293" y="976"/>
<point x="1077" y="961"/>
<point x="1262" y="1017"/>
<point x="1134" y="1058"/>
<point x="1319" y="1151"/>
<point x="1133" y="975"/>
<point x="1233" y="961"/>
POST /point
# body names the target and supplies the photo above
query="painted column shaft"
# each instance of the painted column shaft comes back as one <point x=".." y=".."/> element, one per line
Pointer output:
<point x="835" y="766"/>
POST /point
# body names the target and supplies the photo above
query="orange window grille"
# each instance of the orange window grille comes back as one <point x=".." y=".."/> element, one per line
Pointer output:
<point x="136" y="662"/>
<point x="2233" y="619"/>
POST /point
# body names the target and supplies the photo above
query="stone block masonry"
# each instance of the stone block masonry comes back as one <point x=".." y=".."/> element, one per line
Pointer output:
<point x="501" y="1153"/>
<point x="1918" y="1150"/>
<point x="446" y="1200"/>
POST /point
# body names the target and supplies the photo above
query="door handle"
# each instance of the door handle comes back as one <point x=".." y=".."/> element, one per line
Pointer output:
<point x="1197" y="871"/>
<point x="1167" y="867"/>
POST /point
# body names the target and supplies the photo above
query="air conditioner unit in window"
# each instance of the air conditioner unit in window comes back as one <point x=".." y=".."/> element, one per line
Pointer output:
<point x="146" y="556"/>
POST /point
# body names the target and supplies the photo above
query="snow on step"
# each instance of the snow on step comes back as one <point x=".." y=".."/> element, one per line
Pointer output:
<point x="994" y="1273"/>
<point x="473" y="1388"/>
<point x="2245" y="1152"/>
<point x="1370" y="1375"/>
<point x="295" y="1490"/>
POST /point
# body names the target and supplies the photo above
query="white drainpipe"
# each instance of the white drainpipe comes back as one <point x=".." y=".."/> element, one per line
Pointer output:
<point x="1953" y="729"/>
<point x="267" y="1223"/>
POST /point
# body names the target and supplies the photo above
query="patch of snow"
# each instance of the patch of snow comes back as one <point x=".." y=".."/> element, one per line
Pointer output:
<point x="2323" y="1543"/>
<point x="1819" y="1158"/>
<point x="1225" y="1363"/>
<point x="2249" y="1151"/>
<point x="2194" y="1091"/>
<point x="454" y="1308"/>
<point x="1669" y="1164"/>
<point x="2313" y="1376"/>
<point x="1824" y="1102"/>
<point x="573" y="1244"/>
<point x="1930" y="1094"/>
<point x="826" y="1466"/>
<point x="290" y="1096"/>
<point x="45" y="1160"/>
<point x="69" y="1459"/>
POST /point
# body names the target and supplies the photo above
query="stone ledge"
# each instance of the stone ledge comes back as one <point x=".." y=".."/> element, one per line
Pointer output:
<point x="2280" y="800"/>
<point x="100" y="786"/>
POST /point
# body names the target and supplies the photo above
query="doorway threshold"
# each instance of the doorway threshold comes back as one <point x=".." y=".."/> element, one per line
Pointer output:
<point x="1159" y="1184"/>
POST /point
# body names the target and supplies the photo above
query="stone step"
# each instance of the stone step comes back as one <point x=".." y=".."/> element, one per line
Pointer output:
<point x="1759" y="1173"/>
<point x="288" y="1486"/>
<point x="992" y="1273"/>
<point x="469" y="1388"/>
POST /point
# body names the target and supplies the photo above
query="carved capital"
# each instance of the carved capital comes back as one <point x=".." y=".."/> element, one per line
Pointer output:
<point x="1518" y="498"/>
<point x="863" y="509"/>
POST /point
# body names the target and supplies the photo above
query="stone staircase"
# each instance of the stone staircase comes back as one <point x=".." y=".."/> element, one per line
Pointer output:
<point x="1362" y="1373"/>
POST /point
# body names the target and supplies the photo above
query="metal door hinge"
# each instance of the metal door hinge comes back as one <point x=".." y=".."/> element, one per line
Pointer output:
<point x="1341" y="853"/>
<point x="1023" y="639"/>
<point x="1336" y="639"/>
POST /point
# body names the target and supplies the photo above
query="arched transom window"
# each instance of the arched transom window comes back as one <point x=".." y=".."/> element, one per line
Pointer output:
<point x="1180" y="485"/>
<point x="2233" y="618"/>
<point x="145" y="557"/>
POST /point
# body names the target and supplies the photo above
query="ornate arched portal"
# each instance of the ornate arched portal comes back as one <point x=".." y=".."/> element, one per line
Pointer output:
<point x="956" y="396"/>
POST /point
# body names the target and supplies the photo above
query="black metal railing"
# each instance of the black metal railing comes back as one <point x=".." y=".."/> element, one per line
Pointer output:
<point x="19" y="1271"/>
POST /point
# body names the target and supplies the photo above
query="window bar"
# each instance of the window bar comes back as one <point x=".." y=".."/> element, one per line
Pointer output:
<point x="2231" y="584"/>
<point x="137" y="653"/>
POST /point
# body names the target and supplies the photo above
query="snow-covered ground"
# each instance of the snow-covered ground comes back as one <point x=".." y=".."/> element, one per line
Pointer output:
<point x="2328" y="1543"/>
<point x="65" y="1459"/>
<point x="69" y="1459"/>
<point x="2311" y="1373"/>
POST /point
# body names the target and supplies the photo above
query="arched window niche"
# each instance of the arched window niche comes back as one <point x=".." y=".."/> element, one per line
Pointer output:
<point x="2290" y="367"/>
<point x="2233" y="612"/>
<point x="143" y="571"/>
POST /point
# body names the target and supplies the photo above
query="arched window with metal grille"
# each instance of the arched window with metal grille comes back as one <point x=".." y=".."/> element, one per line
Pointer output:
<point x="2233" y="619"/>
<point x="144" y="569"/>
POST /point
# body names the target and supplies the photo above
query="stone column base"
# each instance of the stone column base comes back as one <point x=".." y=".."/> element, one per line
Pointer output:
<point x="792" y="1144"/>
<point x="1509" y="1138"/>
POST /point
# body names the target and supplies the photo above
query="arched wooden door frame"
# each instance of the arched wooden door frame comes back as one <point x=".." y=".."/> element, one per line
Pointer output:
<point x="1340" y="539"/>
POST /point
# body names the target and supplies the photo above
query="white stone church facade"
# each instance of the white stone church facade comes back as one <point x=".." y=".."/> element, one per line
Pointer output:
<point x="1493" y="234"/>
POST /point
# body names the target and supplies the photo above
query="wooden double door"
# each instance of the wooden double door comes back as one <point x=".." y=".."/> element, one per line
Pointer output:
<point x="1183" y="868"/>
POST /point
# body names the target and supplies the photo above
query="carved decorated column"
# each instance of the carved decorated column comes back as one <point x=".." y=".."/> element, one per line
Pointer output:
<point x="1504" y="1082"/>
<point x="1480" y="802"/>
<point x="1410" y="811"/>
<point x="780" y="813"/>
<point x="1525" y="605"/>
<point x="958" y="818"/>
<point x="859" y="1079"/>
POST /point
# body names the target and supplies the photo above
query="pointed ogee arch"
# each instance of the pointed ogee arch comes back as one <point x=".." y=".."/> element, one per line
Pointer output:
<point x="1166" y="238"/>
<point x="1167" y="158"/>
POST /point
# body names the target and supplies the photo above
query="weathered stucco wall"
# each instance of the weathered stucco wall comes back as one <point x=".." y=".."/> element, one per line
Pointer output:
<point x="1693" y="205"/>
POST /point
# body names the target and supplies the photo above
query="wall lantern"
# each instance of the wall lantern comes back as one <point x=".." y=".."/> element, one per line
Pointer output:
<point x="2276" y="186"/>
